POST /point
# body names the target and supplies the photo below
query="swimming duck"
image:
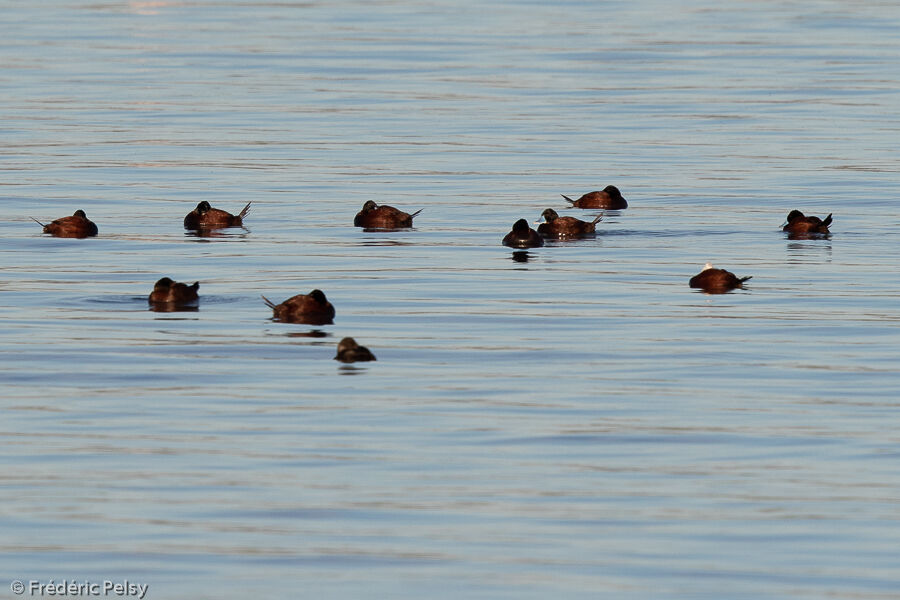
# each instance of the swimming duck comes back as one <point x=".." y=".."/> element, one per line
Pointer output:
<point x="522" y="236"/>
<point x="166" y="291"/>
<point x="610" y="198"/>
<point x="311" y="309"/>
<point x="797" y="222"/>
<point x="373" y="216"/>
<point x="562" y="227"/>
<point x="349" y="351"/>
<point x="207" y="217"/>
<point x="716" y="281"/>
<point x="76" y="226"/>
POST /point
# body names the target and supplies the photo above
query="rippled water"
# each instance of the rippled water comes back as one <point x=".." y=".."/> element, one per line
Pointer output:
<point x="581" y="424"/>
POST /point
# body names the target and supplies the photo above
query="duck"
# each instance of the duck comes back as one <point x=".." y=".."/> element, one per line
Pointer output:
<point x="207" y="217"/>
<point x="522" y="236"/>
<point x="349" y="351"/>
<point x="609" y="198"/>
<point x="76" y="226"/>
<point x="797" y="222"/>
<point x="311" y="309"/>
<point x="167" y="291"/>
<point x="373" y="216"/>
<point x="563" y="227"/>
<point x="716" y="281"/>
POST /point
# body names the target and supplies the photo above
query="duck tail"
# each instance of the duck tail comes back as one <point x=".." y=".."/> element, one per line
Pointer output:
<point x="747" y="278"/>
<point x="195" y="286"/>
<point x="244" y="211"/>
<point x="415" y="213"/>
<point x="598" y="219"/>
<point x="827" y="220"/>
<point x="36" y="221"/>
<point x="567" y="198"/>
<point x="268" y="302"/>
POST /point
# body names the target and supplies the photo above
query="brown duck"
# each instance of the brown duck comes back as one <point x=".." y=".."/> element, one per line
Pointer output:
<point x="76" y="226"/>
<point x="311" y="309"/>
<point x="349" y="351"/>
<point x="166" y="291"/>
<point x="522" y="236"/>
<point x="609" y="198"/>
<point x="716" y="281"/>
<point x="564" y="227"/>
<point x="798" y="223"/>
<point x="207" y="217"/>
<point x="373" y="216"/>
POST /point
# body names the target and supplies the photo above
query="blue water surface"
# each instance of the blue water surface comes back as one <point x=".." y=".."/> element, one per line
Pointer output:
<point x="579" y="424"/>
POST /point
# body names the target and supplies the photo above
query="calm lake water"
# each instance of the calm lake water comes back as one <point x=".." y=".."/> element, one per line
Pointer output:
<point x="580" y="424"/>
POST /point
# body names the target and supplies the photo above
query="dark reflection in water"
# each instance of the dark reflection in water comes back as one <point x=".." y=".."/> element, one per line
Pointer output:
<point x="168" y="307"/>
<point x="521" y="256"/>
<point x="312" y="333"/>
<point x="808" y="236"/>
<point x="353" y="369"/>
<point x="305" y="319"/>
<point x="713" y="291"/>
<point x="225" y="233"/>
<point x="167" y="318"/>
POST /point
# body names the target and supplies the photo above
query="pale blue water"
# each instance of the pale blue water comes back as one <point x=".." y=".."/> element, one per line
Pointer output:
<point x="579" y="425"/>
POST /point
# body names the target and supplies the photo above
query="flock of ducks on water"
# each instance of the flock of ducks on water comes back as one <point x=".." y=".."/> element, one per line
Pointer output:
<point x="710" y="279"/>
<point x="315" y="309"/>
